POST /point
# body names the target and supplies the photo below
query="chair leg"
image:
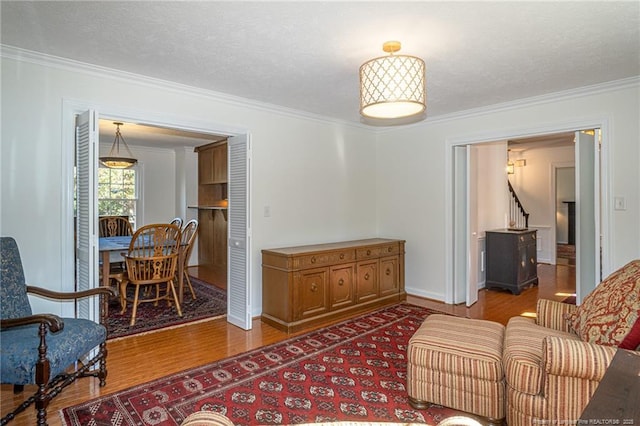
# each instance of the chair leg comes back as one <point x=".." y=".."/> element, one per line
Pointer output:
<point x="188" y="281"/>
<point x="123" y="296"/>
<point x="167" y="295"/>
<point x="157" y="295"/>
<point x="135" y="305"/>
<point x="175" y="297"/>
<point x="102" y="375"/>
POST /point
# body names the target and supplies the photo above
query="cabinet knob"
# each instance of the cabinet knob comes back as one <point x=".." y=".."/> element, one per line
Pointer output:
<point x="388" y="271"/>
<point x="531" y="260"/>
<point x="314" y="287"/>
<point x="340" y="281"/>
<point x="521" y="238"/>
<point x="533" y="236"/>
<point x="341" y="256"/>
<point x="522" y="263"/>
<point x="366" y="276"/>
<point x="389" y="249"/>
<point x="313" y="259"/>
<point x="368" y="252"/>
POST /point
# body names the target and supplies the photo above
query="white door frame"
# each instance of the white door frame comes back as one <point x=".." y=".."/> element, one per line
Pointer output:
<point x="504" y="134"/>
<point x="72" y="108"/>
<point x="552" y="204"/>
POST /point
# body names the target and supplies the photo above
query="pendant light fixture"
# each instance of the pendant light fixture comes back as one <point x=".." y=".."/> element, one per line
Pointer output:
<point x="392" y="86"/>
<point x="115" y="160"/>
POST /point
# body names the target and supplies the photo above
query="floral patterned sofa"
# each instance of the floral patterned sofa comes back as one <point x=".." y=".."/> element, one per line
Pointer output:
<point x="554" y="363"/>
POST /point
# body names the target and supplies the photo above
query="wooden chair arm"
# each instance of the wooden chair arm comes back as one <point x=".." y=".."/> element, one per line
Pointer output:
<point x="39" y="291"/>
<point x="54" y="322"/>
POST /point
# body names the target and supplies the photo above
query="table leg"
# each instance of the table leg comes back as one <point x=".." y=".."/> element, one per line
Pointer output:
<point x="181" y="253"/>
<point x="106" y="268"/>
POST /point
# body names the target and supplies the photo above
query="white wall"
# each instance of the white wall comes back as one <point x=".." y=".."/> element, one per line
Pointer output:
<point x="317" y="176"/>
<point x="493" y="201"/>
<point x="414" y="174"/>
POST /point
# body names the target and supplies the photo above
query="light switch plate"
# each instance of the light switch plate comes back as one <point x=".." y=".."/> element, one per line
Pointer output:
<point x="619" y="203"/>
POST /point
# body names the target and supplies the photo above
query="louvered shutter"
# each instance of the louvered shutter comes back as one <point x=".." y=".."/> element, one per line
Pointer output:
<point x="86" y="204"/>
<point x="238" y="295"/>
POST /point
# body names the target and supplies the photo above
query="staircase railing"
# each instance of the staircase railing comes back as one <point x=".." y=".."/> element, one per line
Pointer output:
<point x="518" y="216"/>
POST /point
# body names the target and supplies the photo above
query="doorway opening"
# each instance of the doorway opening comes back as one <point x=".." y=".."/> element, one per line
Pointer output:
<point x="87" y="127"/>
<point x="469" y="217"/>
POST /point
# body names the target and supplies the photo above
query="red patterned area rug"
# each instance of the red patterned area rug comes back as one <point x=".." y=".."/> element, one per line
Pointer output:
<point x="351" y="371"/>
<point x="210" y="302"/>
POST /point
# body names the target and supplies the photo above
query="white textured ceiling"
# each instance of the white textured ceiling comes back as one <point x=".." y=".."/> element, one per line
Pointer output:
<point x="306" y="55"/>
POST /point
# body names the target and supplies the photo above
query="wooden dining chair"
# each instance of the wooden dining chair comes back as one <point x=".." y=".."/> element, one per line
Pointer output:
<point x="176" y="221"/>
<point x="189" y="234"/>
<point x="151" y="263"/>
<point x="114" y="226"/>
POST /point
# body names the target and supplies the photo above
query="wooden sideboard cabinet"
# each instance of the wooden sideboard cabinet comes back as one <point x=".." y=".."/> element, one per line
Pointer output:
<point x="305" y="285"/>
<point x="512" y="262"/>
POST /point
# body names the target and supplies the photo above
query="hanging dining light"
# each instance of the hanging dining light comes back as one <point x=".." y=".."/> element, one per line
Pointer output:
<point x="392" y="86"/>
<point x="115" y="160"/>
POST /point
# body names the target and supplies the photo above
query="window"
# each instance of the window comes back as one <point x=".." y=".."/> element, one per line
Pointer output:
<point x="118" y="193"/>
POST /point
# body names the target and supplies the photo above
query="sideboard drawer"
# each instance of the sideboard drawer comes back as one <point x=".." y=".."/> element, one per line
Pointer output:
<point x="373" y="252"/>
<point x="328" y="258"/>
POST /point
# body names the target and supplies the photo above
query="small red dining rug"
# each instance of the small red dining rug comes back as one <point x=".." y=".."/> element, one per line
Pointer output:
<point x="351" y="371"/>
<point x="210" y="302"/>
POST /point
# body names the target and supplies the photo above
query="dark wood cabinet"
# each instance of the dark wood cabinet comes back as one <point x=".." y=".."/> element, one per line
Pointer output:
<point x="310" y="284"/>
<point x="512" y="262"/>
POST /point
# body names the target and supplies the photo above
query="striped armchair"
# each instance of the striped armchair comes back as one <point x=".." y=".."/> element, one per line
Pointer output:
<point x="554" y="363"/>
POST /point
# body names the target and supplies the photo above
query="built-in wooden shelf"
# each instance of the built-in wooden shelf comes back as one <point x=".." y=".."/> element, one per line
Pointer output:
<point x="212" y="204"/>
<point x="208" y="207"/>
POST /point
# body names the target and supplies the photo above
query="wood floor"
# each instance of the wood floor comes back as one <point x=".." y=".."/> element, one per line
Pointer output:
<point x="213" y="275"/>
<point x="139" y="359"/>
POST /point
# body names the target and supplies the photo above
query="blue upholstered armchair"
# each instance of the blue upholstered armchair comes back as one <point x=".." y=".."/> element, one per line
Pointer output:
<point x="42" y="349"/>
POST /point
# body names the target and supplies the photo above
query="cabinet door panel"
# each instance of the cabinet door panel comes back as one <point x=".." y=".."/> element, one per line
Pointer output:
<point x="367" y="280"/>
<point x="205" y="242"/>
<point x="219" y="173"/>
<point x="342" y="285"/>
<point x="532" y="261"/>
<point x="312" y="293"/>
<point x="389" y="280"/>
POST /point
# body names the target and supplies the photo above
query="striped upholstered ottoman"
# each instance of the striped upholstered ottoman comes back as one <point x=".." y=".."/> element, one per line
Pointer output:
<point x="457" y="362"/>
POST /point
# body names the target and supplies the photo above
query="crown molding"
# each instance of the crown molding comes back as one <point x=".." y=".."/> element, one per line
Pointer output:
<point x="23" y="55"/>
<point x="609" y="86"/>
<point x="43" y="59"/>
